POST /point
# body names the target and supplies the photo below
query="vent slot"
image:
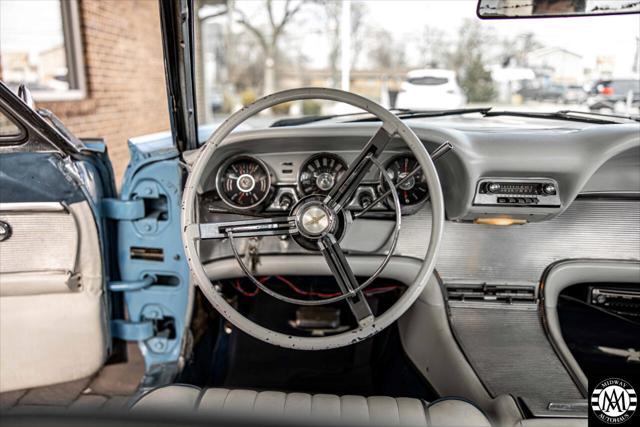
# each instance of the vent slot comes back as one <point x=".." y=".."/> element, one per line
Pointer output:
<point x="491" y="293"/>
<point x="287" y="168"/>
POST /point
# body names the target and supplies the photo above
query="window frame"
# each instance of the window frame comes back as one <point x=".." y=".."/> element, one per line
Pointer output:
<point x="74" y="54"/>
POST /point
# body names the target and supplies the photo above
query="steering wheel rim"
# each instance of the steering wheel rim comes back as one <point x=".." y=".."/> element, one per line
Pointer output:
<point x="191" y="230"/>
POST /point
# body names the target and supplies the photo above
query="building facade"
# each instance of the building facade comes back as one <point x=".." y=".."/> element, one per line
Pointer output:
<point x="96" y="64"/>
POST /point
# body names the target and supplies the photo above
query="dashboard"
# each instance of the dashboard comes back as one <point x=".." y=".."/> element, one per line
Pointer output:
<point x="275" y="182"/>
<point x="527" y="170"/>
<point x="571" y="189"/>
<point x="582" y="182"/>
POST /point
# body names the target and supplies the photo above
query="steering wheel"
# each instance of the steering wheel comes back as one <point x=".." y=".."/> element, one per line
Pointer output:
<point x="317" y="223"/>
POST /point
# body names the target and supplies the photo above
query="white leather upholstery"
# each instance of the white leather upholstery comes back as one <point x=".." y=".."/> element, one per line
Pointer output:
<point x="377" y="410"/>
<point x="36" y="283"/>
<point x="52" y="328"/>
<point x="40" y="241"/>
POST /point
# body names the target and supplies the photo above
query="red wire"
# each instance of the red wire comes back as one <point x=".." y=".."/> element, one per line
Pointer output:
<point x="299" y="291"/>
<point x="246" y="293"/>
<point x="243" y="292"/>
<point x="294" y="288"/>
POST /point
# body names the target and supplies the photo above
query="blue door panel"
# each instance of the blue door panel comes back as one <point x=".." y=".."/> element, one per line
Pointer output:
<point x="154" y="275"/>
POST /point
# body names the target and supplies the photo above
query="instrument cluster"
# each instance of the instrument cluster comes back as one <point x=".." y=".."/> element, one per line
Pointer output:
<point x="246" y="183"/>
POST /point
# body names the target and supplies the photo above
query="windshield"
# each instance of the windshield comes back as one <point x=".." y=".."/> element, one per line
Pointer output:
<point x="418" y="55"/>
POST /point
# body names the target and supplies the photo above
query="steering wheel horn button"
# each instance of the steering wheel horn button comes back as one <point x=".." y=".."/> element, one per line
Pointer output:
<point x="314" y="220"/>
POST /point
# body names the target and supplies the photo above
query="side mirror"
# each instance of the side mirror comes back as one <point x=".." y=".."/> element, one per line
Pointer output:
<point x="513" y="9"/>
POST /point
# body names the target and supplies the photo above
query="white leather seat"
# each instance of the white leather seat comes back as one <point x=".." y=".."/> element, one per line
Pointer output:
<point x="377" y="410"/>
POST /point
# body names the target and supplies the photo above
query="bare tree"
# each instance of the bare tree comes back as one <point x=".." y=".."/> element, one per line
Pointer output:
<point x="433" y="49"/>
<point x="268" y="38"/>
<point x="385" y="52"/>
<point x="516" y="50"/>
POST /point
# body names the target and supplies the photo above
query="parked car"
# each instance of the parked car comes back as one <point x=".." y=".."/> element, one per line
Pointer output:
<point x="574" y="94"/>
<point x="536" y="91"/>
<point x="614" y="94"/>
<point x="430" y="88"/>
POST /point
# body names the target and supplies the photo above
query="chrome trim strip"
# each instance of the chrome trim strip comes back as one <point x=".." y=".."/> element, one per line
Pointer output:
<point x="33" y="207"/>
<point x="519" y="306"/>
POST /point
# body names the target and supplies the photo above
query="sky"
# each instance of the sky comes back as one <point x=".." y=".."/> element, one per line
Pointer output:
<point x="586" y="36"/>
<point x="30" y="25"/>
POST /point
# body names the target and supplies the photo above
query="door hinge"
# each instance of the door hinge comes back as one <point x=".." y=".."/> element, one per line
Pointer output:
<point x="156" y="329"/>
<point x="132" y="331"/>
<point x="123" y="209"/>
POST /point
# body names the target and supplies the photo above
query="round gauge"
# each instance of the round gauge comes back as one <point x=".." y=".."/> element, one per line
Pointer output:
<point x="320" y="172"/>
<point x="412" y="191"/>
<point x="243" y="182"/>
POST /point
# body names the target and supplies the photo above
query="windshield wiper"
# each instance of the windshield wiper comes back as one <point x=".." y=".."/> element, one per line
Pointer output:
<point x="571" y="115"/>
<point x="402" y="113"/>
<point x="295" y="121"/>
<point x="575" y="116"/>
<point x="591" y="113"/>
<point x="416" y="114"/>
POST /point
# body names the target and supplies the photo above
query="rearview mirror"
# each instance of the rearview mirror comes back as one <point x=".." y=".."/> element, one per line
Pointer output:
<point x="511" y="9"/>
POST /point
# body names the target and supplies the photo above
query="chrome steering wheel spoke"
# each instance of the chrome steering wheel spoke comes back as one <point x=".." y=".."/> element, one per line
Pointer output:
<point x="344" y="190"/>
<point x="278" y="226"/>
<point x="346" y="279"/>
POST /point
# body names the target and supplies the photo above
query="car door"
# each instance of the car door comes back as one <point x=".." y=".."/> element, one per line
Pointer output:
<point x="53" y="304"/>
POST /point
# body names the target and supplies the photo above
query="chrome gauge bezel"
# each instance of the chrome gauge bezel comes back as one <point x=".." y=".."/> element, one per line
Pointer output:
<point x="406" y="209"/>
<point x="301" y="192"/>
<point x="226" y="164"/>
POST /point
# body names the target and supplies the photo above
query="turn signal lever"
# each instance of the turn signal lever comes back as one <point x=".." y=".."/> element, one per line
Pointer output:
<point x="442" y="149"/>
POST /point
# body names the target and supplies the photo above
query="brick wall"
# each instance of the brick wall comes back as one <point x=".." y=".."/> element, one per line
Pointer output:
<point x="125" y="76"/>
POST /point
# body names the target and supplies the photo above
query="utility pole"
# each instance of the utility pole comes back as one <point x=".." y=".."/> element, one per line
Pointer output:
<point x="636" y="60"/>
<point x="345" y="45"/>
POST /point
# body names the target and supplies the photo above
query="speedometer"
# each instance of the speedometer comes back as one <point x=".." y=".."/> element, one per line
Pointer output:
<point x="413" y="190"/>
<point x="320" y="172"/>
<point x="243" y="182"/>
